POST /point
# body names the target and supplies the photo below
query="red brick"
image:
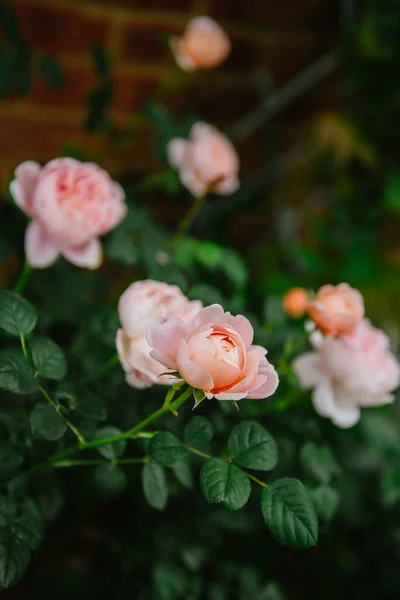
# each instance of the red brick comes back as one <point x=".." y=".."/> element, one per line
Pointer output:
<point x="57" y="29"/>
<point x="148" y="42"/>
<point x="297" y="14"/>
<point x="131" y="91"/>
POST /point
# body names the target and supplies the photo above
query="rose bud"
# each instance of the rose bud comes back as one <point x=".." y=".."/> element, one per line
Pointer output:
<point x="295" y="302"/>
<point x="207" y="162"/>
<point x="204" y="45"/>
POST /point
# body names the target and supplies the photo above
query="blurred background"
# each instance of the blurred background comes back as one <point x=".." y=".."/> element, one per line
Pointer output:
<point x="310" y="96"/>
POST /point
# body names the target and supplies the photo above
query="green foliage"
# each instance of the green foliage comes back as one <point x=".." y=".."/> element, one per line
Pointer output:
<point x="10" y="461"/>
<point x="16" y="374"/>
<point x="224" y="483"/>
<point x="48" y="359"/>
<point x="47" y="423"/>
<point x="326" y="501"/>
<point x="289" y="513"/>
<point x="198" y="431"/>
<point x="155" y="486"/>
<point x="319" y="463"/>
<point x="17" y="315"/>
<point x="111" y="450"/>
<point x="251" y="446"/>
<point x="166" y="449"/>
<point x="110" y="480"/>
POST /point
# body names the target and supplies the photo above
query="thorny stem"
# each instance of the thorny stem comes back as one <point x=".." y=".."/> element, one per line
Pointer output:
<point x="57" y="408"/>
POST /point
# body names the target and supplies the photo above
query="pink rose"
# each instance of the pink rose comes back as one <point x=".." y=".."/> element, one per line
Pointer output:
<point x="207" y="162"/>
<point x="204" y="45"/>
<point x="140" y="306"/>
<point x="336" y="310"/>
<point x="356" y="370"/>
<point x="215" y="354"/>
<point x="71" y="205"/>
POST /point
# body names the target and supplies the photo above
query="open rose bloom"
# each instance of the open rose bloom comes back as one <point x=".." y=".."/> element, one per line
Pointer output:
<point x="207" y="162"/>
<point x="336" y="309"/>
<point x="214" y="353"/>
<point x="347" y="373"/>
<point x="204" y="45"/>
<point x="71" y="204"/>
<point x="140" y="306"/>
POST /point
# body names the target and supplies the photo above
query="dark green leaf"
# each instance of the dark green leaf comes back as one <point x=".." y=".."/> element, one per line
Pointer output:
<point x="326" y="501"/>
<point x="91" y="406"/>
<point x="122" y="248"/>
<point x="110" y="478"/>
<point x="14" y="560"/>
<point x="183" y="472"/>
<point x="155" y="487"/>
<point x="100" y="59"/>
<point x="251" y="446"/>
<point x="198" y="431"/>
<point x="390" y="485"/>
<point x="207" y="294"/>
<point x="198" y="396"/>
<point x="10" y="460"/>
<point x="49" y="359"/>
<point x="224" y="483"/>
<point x="289" y="513"/>
<point x="16" y="374"/>
<point x="319" y="462"/>
<point x="17" y="315"/>
<point x="209" y="253"/>
<point x="46" y="423"/>
<point x="166" y="449"/>
<point x="8" y="510"/>
<point x="29" y="526"/>
<point x="112" y="450"/>
<point x="235" y="268"/>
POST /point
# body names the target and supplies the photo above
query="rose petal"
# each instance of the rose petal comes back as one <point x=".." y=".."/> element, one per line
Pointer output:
<point x="88" y="255"/>
<point x="227" y="186"/>
<point x="191" y="182"/>
<point x="243" y="327"/>
<point x="323" y="398"/>
<point x="40" y="250"/>
<point x="267" y="387"/>
<point x="193" y="373"/>
<point x="164" y="337"/>
<point x="183" y="59"/>
<point x="306" y="367"/>
<point x="22" y="187"/>
<point x="175" y="151"/>
<point x="211" y="314"/>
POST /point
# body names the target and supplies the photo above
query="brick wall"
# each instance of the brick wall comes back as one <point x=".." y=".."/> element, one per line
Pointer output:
<point x="281" y="37"/>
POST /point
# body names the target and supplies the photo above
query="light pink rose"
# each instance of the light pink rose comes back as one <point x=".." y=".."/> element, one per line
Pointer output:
<point x="346" y="373"/>
<point x="336" y="310"/>
<point x="207" y="162"/>
<point x="214" y="354"/>
<point x="71" y="205"/>
<point x="140" y="306"/>
<point x="204" y="45"/>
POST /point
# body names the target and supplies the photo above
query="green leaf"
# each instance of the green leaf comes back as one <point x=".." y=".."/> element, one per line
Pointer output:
<point x="224" y="483"/>
<point x="14" y="560"/>
<point x="114" y="450"/>
<point x="209" y="253"/>
<point x="29" y="526"/>
<point x="8" y="510"/>
<point x="50" y="68"/>
<point x="110" y="478"/>
<point x="198" y="431"/>
<point x="207" y="294"/>
<point x="166" y="449"/>
<point x="49" y="359"/>
<point x="16" y="374"/>
<point x="10" y="461"/>
<point x="251" y="446"/>
<point x="155" y="487"/>
<point x="183" y="472"/>
<point x="319" y="462"/>
<point x="91" y="406"/>
<point x="17" y="315"/>
<point x="235" y="268"/>
<point x="289" y="513"/>
<point x="392" y="192"/>
<point x="122" y="248"/>
<point x="390" y="486"/>
<point x="326" y="502"/>
<point x="46" y="423"/>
